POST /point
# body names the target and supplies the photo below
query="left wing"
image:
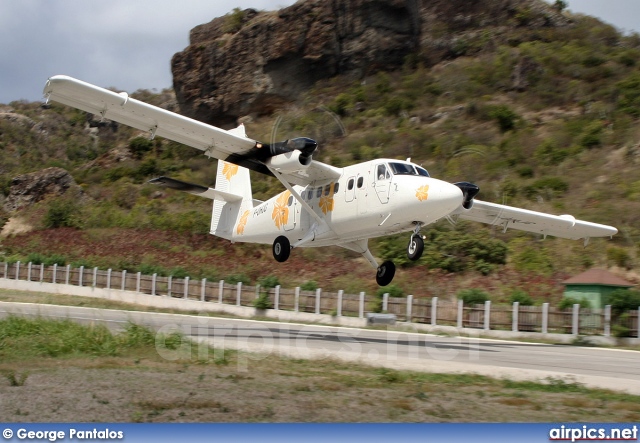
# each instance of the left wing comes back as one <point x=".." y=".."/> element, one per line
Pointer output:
<point x="508" y="217"/>
<point x="232" y="146"/>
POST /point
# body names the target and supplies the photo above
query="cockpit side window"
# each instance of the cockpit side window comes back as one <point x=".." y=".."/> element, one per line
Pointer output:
<point x="382" y="173"/>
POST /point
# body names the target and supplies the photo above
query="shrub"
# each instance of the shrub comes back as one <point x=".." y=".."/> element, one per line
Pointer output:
<point x="568" y="302"/>
<point x="310" y="285"/>
<point x="139" y="146"/>
<point x="521" y="297"/>
<point x="393" y="290"/>
<point x="622" y="300"/>
<point x="505" y="117"/>
<point x="262" y="302"/>
<point x="473" y="296"/>
<point x="268" y="282"/>
<point x="63" y="213"/>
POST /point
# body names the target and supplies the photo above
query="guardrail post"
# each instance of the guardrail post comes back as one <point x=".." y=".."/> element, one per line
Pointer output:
<point x="545" y="318"/>
<point x="318" y="293"/>
<point x="153" y="283"/>
<point x="186" y="288"/>
<point x="276" y="303"/>
<point x="29" y="272"/>
<point x="67" y="275"/>
<point x="296" y="300"/>
<point x="514" y="316"/>
<point x="124" y="280"/>
<point x="607" y="321"/>
<point x="487" y="315"/>
<point x="460" y="313"/>
<point x="434" y="310"/>
<point x="18" y="270"/>
<point x="575" y="319"/>
<point x="385" y="302"/>
<point x="6" y="269"/>
<point x="169" y="282"/>
<point x="95" y="276"/>
<point x="339" y="307"/>
<point x="361" y="306"/>
<point x="220" y="291"/>
<point x="109" y="278"/>
<point x="138" y="275"/>
<point x="409" y="307"/>
<point x="203" y="288"/>
<point x="80" y="275"/>
<point x="239" y="294"/>
<point x="55" y="273"/>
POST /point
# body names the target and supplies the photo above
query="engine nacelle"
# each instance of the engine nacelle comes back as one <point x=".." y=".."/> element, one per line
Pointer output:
<point x="289" y="162"/>
<point x="469" y="191"/>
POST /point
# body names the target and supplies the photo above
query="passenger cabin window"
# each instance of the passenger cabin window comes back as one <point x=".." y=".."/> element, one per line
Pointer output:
<point x="350" y="184"/>
<point x="290" y="201"/>
<point x="335" y="188"/>
<point x="319" y="192"/>
<point x="327" y="189"/>
<point x="360" y="182"/>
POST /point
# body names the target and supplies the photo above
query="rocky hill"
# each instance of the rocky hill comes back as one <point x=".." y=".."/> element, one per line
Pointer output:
<point x="251" y="62"/>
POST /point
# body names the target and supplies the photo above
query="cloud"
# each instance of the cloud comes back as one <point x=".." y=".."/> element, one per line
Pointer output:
<point x="121" y="43"/>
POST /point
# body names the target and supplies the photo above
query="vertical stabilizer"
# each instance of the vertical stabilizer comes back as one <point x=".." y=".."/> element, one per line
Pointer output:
<point x="236" y="180"/>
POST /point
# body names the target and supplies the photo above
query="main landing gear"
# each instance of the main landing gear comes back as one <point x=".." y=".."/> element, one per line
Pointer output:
<point x="281" y="248"/>
<point x="386" y="272"/>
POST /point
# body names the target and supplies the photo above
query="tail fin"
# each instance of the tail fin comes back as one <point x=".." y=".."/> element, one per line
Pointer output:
<point x="231" y="179"/>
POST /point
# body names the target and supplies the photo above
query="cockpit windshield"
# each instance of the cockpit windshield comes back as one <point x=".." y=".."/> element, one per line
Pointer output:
<point x="408" y="169"/>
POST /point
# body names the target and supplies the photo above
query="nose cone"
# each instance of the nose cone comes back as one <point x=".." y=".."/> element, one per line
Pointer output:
<point x="447" y="197"/>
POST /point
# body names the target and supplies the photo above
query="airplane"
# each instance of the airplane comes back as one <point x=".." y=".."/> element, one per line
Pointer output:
<point x="321" y="205"/>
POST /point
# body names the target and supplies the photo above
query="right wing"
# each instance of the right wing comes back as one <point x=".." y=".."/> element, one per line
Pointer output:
<point x="508" y="217"/>
<point x="232" y="146"/>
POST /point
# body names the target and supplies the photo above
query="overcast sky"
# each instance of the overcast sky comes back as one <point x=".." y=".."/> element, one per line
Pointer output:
<point x="128" y="44"/>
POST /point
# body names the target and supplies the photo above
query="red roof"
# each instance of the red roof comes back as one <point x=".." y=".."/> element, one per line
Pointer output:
<point x="598" y="277"/>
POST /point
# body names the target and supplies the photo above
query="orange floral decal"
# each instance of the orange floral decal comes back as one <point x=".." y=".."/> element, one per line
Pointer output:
<point x="326" y="201"/>
<point x="423" y="193"/>
<point x="229" y="170"/>
<point x="280" y="213"/>
<point x="242" y="223"/>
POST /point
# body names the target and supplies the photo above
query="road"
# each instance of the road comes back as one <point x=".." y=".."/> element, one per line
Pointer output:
<point x="596" y="367"/>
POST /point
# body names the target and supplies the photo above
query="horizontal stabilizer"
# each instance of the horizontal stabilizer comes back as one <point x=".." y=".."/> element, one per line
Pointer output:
<point x="200" y="191"/>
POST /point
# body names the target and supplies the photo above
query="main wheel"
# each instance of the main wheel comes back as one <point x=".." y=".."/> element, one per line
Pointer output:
<point x="415" y="248"/>
<point x="281" y="248"/>
<point x="385" y="273"/>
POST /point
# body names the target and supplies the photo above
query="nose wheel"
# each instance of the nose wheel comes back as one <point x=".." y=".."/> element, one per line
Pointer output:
<point x="415" y="248"/>
<point x="281" y="248"/>
<point x="386" y="272"/>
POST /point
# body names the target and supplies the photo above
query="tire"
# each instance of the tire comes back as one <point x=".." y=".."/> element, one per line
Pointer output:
<point x="281" y="248"/>
<point x="415" y="248"/>
<point x="386" y="272"/>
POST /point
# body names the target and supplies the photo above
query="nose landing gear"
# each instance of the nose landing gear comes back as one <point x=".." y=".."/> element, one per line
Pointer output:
<point x="416" y="244"/>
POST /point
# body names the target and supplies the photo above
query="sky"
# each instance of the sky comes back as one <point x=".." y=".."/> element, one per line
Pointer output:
<point x="128" y="44"/>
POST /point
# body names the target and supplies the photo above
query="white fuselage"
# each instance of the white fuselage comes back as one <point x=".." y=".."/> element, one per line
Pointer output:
<point x="370" y="199"/>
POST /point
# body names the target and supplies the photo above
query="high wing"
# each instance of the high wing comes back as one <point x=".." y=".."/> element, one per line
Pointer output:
<point x="507" y="217"/>
<point x="232" y="146"/>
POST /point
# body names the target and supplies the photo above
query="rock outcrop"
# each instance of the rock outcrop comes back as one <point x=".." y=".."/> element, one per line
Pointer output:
<point x="250" y="62"/>
<point x="33" y="187"/>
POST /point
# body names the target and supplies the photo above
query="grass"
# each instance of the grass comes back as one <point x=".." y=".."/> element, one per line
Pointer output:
<point x="88" y="373"/>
